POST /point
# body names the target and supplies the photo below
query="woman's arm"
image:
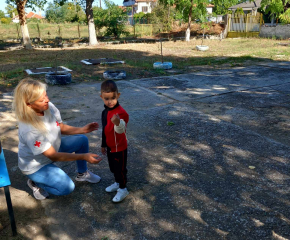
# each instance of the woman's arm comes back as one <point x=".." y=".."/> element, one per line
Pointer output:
<point x="64" y="157"/>
<point x="70" y="130"/>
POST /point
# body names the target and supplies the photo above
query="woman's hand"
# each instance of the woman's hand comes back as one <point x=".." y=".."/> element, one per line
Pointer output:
<point x="90" y="127"/>
<point x="104" y="151"/>
<point x="92" y="158"/>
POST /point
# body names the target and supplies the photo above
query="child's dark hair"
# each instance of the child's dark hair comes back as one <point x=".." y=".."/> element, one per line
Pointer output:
<point x="109" y="86"/>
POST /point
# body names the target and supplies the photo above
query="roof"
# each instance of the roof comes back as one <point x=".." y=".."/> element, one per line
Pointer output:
<point x="33" y="15"/>
<point x="30" y="15"/>
<point x="247" y="5"/>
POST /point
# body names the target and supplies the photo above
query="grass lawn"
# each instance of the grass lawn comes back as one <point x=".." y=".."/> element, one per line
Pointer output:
<point x="140" y="57"/>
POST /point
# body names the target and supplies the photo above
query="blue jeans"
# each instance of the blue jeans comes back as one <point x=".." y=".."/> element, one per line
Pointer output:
<point x="54" y="180"/>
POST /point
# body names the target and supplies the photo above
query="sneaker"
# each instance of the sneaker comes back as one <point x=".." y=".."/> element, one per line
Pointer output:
<point x="88" y="176"/>
<point x="38" y="193"/>
<point x="113" y="188"/>
<point x="121" y="194"/>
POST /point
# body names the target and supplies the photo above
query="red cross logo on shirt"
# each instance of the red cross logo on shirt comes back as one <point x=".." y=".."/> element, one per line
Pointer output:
<point x="57" y="124"/>
<point x="37" y="144"/>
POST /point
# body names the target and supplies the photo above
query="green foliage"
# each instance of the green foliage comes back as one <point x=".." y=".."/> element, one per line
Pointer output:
<point x="2" y="14"/>
<point x="276" y="9"/>
<point x="163" y="15"/>
<point x="239" y="11"/>
<point x="221" y="6"/>
<point x="113" y="18"/>
<point x="6" y="20"/>
<point x="33" y="4"/>
<point x="285" y="17"/>
<point x="10" y="9"/>
<point x="65" y="13"/>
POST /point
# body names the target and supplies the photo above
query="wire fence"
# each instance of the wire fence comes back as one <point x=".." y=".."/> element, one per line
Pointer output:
<point x="70" y="31"/>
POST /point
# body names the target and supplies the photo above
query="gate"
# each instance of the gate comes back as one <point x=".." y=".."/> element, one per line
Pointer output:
<point x="244" y="25"/>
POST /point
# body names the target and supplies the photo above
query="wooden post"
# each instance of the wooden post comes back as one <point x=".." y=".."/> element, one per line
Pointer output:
<point x="59" y="31"/>
<point x="79" y="31"/>
<point x="38" y="29"/>
<point x="229" y="23"/>
<point x="17" y="27"/>
<point x="261" y="21"/>
<point x="246" y="25"/>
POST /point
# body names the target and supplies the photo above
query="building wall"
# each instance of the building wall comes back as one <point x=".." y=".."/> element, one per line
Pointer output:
<point x="279" y="31"/>
<point x="149" y="6"/>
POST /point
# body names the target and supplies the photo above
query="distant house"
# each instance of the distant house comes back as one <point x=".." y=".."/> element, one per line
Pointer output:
<point x="144" y="6"/>
<point x="28" y="16"/>
<point x="248" y="7"/>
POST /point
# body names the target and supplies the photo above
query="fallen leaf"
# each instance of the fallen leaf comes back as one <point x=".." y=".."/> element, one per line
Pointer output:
<point x="252" y="167"/>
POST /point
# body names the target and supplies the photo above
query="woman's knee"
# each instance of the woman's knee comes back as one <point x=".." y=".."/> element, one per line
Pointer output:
<point x="66" y="188"/>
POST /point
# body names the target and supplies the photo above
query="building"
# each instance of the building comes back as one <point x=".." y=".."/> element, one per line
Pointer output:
<point x="28" y="16"/>
<point x="144" y="6"/>
<point x="248" y="7"/>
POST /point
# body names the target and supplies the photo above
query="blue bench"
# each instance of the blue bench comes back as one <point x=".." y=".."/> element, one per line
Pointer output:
<point x="5" y="182"/>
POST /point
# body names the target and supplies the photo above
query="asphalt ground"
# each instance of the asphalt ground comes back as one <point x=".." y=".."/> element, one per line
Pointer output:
<point x="208" y="158"/>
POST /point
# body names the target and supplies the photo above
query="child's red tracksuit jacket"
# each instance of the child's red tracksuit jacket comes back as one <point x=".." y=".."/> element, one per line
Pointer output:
<point x="116" y="143"/>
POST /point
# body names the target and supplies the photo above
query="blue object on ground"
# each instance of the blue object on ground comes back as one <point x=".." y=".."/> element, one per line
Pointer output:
<point x="164" y="65"/>
<point x="5" y="182"/>
<point x="4" y="177"/>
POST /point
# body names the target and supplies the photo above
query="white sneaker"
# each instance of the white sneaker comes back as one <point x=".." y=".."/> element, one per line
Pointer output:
<point x="38" y="193"/>
<point x="121" y="194"/>
<point x="88" y="176"/>
<point x="113" y="188"/>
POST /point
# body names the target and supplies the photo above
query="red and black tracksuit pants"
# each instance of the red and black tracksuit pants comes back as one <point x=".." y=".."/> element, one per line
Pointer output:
<point x="118" y="166"/>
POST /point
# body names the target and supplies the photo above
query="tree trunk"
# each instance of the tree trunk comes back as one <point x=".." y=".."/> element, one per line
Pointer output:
<point x="21" y="13"/>
<point x="187" y="33"/>
<point x="91" y="24"/>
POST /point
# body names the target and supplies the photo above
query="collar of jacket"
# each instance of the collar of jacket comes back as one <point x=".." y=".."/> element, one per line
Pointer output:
<point x="110" y="109"/>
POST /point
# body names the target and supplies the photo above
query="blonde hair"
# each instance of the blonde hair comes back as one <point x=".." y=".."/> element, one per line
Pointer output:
<point x="28" y="91"/>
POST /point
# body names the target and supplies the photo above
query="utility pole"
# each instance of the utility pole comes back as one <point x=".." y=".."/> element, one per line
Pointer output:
<point x="100" y="4"/>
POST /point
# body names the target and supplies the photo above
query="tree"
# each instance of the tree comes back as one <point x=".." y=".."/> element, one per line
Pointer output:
<point x="221" y="6"/>
<point x="20" y="5"/>
<point x="65" y="13"/>
<point x="2" y="14"/>
<point x="10" y="9"/>
<point x="277" y="9"/>
<point x="113" y="17"/>
<point x="90" y="18"/>
<point x="163" y="15"/>
<point x="190" y="9"/>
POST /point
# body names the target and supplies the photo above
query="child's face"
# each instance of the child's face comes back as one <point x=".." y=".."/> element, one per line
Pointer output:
<point x="110" y="99"/>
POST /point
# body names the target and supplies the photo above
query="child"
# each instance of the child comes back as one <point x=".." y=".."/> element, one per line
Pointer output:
<point x="114" y="141"/>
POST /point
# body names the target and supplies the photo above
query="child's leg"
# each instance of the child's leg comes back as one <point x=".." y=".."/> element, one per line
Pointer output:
<point x="118" y="166"/>
<point x="53" y="180"/>
<point x="77" y="144"/>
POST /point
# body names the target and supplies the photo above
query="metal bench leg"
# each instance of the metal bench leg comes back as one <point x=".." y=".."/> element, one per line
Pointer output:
<point x="10" y="210"/>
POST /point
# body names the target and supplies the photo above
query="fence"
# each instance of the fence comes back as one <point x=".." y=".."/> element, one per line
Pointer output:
<point x="241" y="25"/>
<point x="44" y="31"/>
<point x="51" y="31"/>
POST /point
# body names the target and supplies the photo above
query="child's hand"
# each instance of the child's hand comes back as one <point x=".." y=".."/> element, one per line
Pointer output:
<point x="104" y="151"/>
<point x="116" y="119"/>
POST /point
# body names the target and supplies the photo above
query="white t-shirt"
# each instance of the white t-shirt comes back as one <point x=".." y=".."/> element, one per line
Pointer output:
<point x="32" y="143"/>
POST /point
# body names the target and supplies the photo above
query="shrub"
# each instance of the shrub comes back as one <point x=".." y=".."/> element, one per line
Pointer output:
<point x="6" y="20"/>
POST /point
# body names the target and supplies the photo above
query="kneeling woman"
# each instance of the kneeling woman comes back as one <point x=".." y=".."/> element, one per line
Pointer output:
<point x="41" y="143"/>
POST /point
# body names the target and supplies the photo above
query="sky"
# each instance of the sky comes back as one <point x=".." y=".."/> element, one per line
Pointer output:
<point x="96" y="2"/>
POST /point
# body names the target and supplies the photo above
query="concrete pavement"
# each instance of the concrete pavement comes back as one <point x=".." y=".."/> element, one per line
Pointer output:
<point x="208" y="159"/>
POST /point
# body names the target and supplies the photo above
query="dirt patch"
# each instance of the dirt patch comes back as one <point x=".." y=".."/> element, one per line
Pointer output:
<point x="195" y="30"/>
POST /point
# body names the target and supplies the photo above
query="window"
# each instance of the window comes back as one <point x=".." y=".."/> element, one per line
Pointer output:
<point x="144" y="9"/>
